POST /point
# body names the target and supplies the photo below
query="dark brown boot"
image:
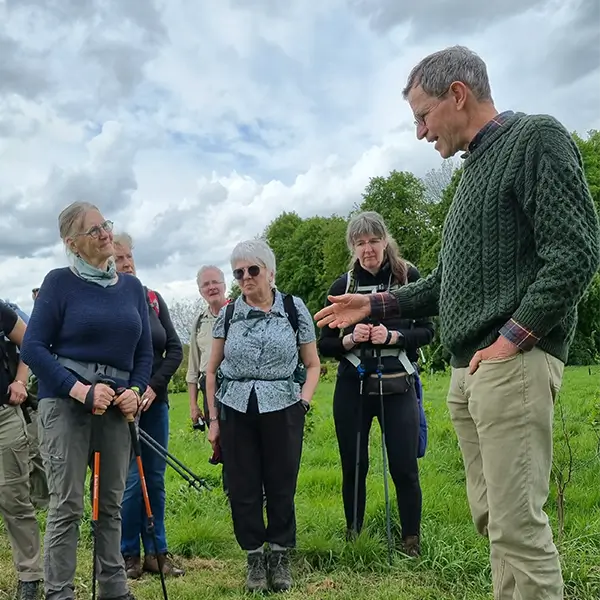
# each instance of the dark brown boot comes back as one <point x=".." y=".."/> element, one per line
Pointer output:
<point x="168" y="568"/>
<point x="133" y="566"/>
<point x="411" y="546"/>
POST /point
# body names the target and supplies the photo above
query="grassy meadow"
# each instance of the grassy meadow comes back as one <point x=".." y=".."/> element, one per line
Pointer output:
<point x="454" y="564"/>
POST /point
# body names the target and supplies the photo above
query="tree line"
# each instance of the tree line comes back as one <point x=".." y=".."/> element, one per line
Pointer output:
<point x="311" y="253"/>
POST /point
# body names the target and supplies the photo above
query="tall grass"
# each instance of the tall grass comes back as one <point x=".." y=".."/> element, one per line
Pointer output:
<point x="454" y="564"/>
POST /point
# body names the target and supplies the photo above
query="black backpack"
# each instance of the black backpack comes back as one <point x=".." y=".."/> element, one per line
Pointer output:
<point x="291" y="313"/>
<point x="9" y="362"/>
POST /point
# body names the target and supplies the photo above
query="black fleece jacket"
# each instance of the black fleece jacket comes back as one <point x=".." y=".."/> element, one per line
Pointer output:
<point x="167" y="348"/>
<point x="416" y="332"/>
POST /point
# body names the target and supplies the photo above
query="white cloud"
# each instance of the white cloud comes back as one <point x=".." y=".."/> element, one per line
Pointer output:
<point x="194" y="124"/>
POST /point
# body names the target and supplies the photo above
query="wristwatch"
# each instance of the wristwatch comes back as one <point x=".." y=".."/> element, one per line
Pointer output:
<point x="305" y="405"/>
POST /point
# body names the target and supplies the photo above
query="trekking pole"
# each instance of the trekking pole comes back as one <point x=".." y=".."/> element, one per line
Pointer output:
<point x="135" y="442"/>
<point x="150" y="441"/>
<point x="96" y="435"/>
<point x="191" y="482"/>
<point x="361" y="374"/>
<point x="384" y="454"/>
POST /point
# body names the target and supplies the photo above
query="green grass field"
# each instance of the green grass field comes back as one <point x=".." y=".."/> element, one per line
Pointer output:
<point x="454" y="564"/>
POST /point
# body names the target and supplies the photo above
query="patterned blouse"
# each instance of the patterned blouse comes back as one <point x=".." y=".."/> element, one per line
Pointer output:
<point x="261" y="353"/>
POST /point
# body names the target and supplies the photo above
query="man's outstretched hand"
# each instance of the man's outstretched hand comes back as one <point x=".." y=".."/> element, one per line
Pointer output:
<point x="344" y="311"/>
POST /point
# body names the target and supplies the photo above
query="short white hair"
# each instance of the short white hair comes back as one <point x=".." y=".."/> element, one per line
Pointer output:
<point x="205" y="268"/>
<point x="123" y="239"/>
<point x="255" y="251"/>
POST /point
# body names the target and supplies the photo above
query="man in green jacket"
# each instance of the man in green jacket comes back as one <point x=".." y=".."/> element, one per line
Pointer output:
<point x="519" y="248"/>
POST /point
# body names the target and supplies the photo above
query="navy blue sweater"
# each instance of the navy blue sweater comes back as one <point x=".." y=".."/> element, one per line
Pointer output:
<point x="86" y="322"/>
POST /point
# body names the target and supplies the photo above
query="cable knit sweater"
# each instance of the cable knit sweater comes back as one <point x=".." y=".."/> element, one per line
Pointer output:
<point x="520" y="244"/>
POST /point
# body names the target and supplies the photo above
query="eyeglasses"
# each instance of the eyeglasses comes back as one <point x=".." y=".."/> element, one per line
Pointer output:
<point x="207" y="284"/>
<point x="94" y="232"/>
<point x="420" y="119"/>
<point x="253" y="271"/>
<point x="372" y="242"/>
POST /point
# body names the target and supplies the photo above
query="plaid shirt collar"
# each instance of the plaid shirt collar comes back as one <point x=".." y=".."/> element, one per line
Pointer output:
<point x="488" y="128"/>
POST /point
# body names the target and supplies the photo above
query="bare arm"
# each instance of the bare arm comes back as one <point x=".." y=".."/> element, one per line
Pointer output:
<point x="16" y="337"/>
<point x="310" y="359"/>
<point x="216" y="357"/>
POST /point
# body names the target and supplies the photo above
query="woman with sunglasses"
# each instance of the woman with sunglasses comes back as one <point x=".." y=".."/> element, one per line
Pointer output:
<point x="88" y="322"/>
<point x="259" y="420"/>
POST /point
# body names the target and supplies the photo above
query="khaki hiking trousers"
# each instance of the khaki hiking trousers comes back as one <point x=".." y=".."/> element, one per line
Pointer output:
<point x="503" y="417"/>
<point x="16" y="506"/>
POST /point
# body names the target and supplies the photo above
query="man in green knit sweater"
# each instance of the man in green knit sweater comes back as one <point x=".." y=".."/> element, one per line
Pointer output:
<point x="519" y="248"/>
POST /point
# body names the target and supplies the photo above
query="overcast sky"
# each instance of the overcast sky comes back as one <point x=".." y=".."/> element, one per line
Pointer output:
<point x="193" y="123"/>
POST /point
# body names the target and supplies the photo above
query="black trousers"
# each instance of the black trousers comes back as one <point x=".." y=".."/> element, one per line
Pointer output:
<point x="262" y="451"/>
<point x="402" y="437"/>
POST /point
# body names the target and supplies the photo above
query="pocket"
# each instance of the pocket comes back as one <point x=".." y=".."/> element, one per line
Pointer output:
<point x="500" y="361"/>
<point x="14" y="461"/>
<point x="555" y="374"/>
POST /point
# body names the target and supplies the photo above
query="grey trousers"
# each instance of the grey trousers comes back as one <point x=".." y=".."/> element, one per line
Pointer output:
<point x="38" y="482"/>
<point x="15" y="502"/>
<point x="65" y="444"/>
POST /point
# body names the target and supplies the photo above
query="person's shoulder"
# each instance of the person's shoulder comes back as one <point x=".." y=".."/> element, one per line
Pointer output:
<point x="8" y="318"/>
<point x="131" y="282"/>
<point x="412" y="273"/>
<point x="543" y="128"/>
<point x="338" y="287"/>
<point x="60" y="274"/>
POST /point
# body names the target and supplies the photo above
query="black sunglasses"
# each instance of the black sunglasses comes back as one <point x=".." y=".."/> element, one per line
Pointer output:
<point x="253" y="271"/>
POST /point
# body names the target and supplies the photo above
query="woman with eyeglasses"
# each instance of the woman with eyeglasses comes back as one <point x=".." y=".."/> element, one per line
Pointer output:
<point x="376" y="265"/>
<point x="257" y="413"/>
<point x="88" y="323"/>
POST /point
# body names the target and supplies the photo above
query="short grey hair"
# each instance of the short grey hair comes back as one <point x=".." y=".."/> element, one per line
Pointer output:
<point x="123" y="239"/>
<point x="255" y="250"/>
<point x="205" y="268"/>
<point x="436" y="73"/>
<point x="71" y="219"/>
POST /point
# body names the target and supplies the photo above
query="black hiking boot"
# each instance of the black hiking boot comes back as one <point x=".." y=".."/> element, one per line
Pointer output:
<point x="256" y="580"/>
<point x="279" y="571"/>
<point x="28" y="590"/>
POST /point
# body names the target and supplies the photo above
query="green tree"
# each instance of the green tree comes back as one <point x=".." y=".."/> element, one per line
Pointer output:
<point x="310" y="254"/>
<point x="400" y="199"/>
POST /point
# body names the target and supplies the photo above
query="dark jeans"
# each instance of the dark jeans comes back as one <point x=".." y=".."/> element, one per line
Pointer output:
<point x="262" y="450"/>
<point x="402" y="437"/>
<point x="155" y="422"/>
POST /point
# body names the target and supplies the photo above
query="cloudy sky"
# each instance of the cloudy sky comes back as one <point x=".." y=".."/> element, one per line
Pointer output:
<point x="193" y="123"/>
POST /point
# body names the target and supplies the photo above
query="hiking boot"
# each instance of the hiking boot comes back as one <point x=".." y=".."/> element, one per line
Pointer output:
<point x="256" y="580"/>
<point x="279" y="571"/>
<point x="28" y="590"/>
<point x="168" y="568"/>
<point x="411" y="546"/>
<point x="133" y="566"/>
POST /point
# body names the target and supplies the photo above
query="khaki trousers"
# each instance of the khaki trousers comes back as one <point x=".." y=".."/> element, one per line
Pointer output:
<point x="503" y="417"/>
<point x="15" y="501"/>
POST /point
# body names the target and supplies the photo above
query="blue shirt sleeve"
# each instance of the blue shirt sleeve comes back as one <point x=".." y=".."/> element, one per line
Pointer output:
<point x="44" y="324"/>
<point x="306" y="327"/>
<point x="219" y="325"/>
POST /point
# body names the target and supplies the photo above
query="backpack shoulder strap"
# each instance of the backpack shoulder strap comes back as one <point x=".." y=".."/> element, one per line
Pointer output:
<point x="350" y="282"/>
<point x="153" y="301"/>
<point x="291" y="311"/>
<point x="228" y="315"/>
